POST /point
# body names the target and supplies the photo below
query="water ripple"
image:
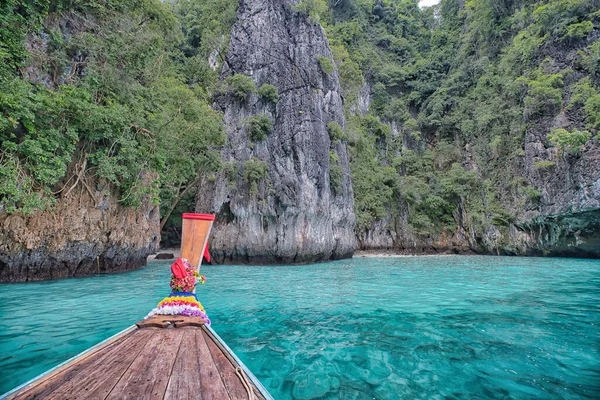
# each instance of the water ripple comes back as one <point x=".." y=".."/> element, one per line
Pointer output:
<point x="418" y="327"/>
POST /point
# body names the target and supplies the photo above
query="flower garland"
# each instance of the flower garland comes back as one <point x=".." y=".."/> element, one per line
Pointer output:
<point x="187" y="277"/>
<point x="183" y="279"/>
<point x="180" y="305"/>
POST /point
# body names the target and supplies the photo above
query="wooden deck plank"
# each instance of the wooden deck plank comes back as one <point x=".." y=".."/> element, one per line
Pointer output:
<point x="233" y="384"/>
<point x="184" y="382"/>
<point x="148" y="375"/>
<point x="210" y="379"/>
<point x="170" y="321"/>
<point x="97" y="379"/>
<point x="149" y="363"/>
<point x="45" y="386"/>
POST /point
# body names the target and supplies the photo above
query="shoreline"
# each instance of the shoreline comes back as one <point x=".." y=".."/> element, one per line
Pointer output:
<point x="357" y="254"/>
<point x="383" y="254"/>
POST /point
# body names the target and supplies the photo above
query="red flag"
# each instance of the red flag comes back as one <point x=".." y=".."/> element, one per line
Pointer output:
<point x="206" y="253"/>
<point x="178" y="269"/>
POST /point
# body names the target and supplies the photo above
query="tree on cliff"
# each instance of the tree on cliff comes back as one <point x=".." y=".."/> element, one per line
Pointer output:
<point x="96" y="94"/>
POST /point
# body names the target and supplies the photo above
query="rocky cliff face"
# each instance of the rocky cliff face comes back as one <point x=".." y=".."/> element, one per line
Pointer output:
<point x="290" y="213"/>
<point x="80" y="236"/>
<point x="567" y="220"/>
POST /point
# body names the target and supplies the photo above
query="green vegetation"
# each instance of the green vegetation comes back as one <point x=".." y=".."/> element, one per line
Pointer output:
<point x="336" y="172"/>
<point x="586" y="95"/>
<point x="569" y="141"/>
<point x="230" y="170"/>
<point x="544" y="164"/>
<point x="258" y="127"/>
<point x="544" y="95"/>
<point x="315" y="9"/>
<point x="458" y="83"/>
<point x="269" y="93"/>
<point x="579" y="30"/>
<point x="336" y="133"/>
<point x="255" y="170"/>
<point x="124" y="103"/>
<point x="240" y="86"/>
<point x="81" y="120"/>
<point x="325" y="64"/>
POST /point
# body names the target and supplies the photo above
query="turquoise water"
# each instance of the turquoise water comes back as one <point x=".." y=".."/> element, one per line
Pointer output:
<point x="386" y="328"/>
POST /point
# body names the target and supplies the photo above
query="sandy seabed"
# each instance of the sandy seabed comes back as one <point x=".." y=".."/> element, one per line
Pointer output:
<point x="380" y="254"/>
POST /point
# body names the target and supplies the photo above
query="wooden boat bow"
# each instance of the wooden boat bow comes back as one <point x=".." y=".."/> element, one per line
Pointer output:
<point x="163" y="356"/>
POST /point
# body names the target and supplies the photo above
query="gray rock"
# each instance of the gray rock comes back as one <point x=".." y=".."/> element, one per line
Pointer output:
<point x="77" y="239"/>
<point x="296" y="216"/>
<point x="164" y="256"/>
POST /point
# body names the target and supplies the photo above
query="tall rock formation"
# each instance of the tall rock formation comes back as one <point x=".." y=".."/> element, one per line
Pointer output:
<point x="275" y="203"/>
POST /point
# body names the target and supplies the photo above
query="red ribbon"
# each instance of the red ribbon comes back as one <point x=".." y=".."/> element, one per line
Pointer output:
<point x="178" y="269"/>
<point x="206" y="253"/>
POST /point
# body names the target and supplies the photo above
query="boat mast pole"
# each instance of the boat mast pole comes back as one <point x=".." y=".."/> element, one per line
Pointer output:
<point x="196" y="229"/>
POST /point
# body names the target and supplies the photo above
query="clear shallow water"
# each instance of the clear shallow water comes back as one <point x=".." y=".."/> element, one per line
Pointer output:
<point x="385" y="328"/>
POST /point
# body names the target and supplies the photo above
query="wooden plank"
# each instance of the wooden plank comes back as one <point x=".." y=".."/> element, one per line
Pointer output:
<point x="148" y="375"/>
<point x="210" y="379"/>
<point x="170" y="321"/>
<point x="194" y="235"/>
<point x="232" y="381"/>
<point x="184" y="382"/>
<point x="98" y="378"/>
<point x="46" y="385"/>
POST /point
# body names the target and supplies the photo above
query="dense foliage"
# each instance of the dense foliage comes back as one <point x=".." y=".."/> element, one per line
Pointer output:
<point x="268" y="93"/>
<point x="111" y="95"/>
<point x="116" y="96"/>
<point x="258" y="127"/>
<point x="453" y="89"/>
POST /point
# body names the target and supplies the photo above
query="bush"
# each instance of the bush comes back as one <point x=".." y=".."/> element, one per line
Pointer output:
<point x="315" y="9"/>
<point x="259" y="126"/>
<point x="580" y="30"/>
<point x="336" y="173"/>
<point x="231" y="171"/>
<point x="589" y="58"/>
<point x="569" y="141"/>
<point x="544" y="95"/>
<point x="544" y="164"/>
<point x="254" y="171"/>
<point x="336" y="132"/>
<point x="325" y="64"/>
<point x="269" y="93"/>
<point x="240" y="86"/>
<point x="584" y="94"/>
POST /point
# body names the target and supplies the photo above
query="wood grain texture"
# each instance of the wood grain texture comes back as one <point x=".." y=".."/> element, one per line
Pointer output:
<point x="149" y="363"/>
<point x="170" y="321"/>
<point x="194" y="235"/>
<point x="96" y="380"/>
<point x="231" y="380"/>
<point x="43" y="387"/>
<point x="184" y="382"/>
<point x="210" y="379"/>
<point x="148" y="375"/>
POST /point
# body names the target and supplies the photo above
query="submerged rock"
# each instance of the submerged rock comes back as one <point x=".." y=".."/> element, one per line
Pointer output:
<point x="79" y="237"/>
<point x="287" y="210"/>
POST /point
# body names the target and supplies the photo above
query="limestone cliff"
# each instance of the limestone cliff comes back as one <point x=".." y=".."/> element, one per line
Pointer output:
<point x="565" y="222"/>
<point x="80" y="236"/>
<point x="291" y="213"/>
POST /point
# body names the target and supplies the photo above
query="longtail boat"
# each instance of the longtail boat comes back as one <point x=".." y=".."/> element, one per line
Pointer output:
<point x="173" y="353"/>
